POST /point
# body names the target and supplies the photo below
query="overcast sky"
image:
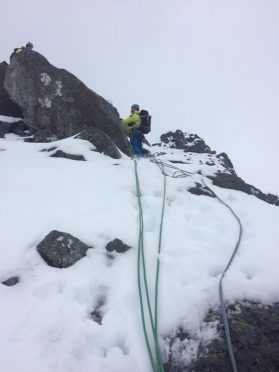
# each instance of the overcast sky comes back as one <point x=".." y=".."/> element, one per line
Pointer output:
<point x="204" y="66"/>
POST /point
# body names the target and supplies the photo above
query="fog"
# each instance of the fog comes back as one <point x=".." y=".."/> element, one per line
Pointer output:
<point x="204" y="66"/>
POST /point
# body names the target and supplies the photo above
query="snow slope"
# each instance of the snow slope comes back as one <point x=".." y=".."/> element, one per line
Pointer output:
<point x="45" y="320"/>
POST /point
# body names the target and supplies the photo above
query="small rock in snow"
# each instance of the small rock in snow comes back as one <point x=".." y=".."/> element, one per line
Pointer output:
<point x="118" y="246"/>
<point x="11" y="281"/>
<point x="61" y="250"/>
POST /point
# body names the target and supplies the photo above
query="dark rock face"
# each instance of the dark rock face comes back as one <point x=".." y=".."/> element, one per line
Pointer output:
<point x="7" y="107"/>
<point x="5" y="128"/>
<point x="117" y="246"/>
<point x="61" y="250"/>
<point x="199" y="189"/>
<point x="185" y="141"/>
<point x="101" y="141"/>
<point x="56" y="104"/>
<point x="227" y="178"/>
<point x="226" y="162"/>
<point x="11" y="281"/>
<point x="273" y="199"/>
<point x="254" y="333"/>
<point x="64" y="155"/>
<point x="232" y="181"/>
<point x="18" y="128"/>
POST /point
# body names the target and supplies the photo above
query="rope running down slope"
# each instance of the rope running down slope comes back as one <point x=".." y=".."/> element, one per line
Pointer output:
<point x="175" y="173"/>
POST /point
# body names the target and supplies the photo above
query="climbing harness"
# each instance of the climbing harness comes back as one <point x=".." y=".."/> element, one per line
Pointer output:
<point x="169" y="170"/>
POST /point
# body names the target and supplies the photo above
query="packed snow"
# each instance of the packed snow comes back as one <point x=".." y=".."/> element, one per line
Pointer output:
<point x="9" y="119"/>
<point x="45" y="320"/>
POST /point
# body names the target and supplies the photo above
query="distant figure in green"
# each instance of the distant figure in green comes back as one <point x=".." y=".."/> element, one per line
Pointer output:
<point x="28" y="46"/>
<point x="131" y="127"/>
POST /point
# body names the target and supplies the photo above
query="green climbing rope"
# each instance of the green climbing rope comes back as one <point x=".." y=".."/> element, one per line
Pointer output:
<point x="158" y="259"/>
<point x="156" y="362"/>
<point x="179" y="173"/>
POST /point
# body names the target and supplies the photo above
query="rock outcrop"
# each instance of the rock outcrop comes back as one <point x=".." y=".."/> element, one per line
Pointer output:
<point x="7" y="107"/>
<point x="224" y="176"/>
<point x="56" y="104"/>
<point x="185" y="141"/>
<point x="232" y="181"/>
<point x="61" y="250"/>
<point x="254" y="333"/>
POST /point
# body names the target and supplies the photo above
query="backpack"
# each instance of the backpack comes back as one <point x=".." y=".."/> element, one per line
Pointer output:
<point x="145" y="118"/>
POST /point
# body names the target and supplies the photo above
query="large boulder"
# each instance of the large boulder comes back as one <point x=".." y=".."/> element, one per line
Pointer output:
<point x="101" y="141"/>
<point x="56" y="104"/>
<point x="7" y="107"/>
<point x="61" y="250"/>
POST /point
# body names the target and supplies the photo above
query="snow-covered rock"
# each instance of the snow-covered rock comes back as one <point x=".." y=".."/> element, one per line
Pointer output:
<point x="61" y="250"/>
<point x="254" y="332"/>
<point x="188" y="148"/>
<point x="188" y="142"/>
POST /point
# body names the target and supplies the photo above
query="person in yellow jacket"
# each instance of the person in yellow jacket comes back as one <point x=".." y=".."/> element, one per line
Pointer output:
<point x="131" y="127"/>
<point x="28" y="46"/>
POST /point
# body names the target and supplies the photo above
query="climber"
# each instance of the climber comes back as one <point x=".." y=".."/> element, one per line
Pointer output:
<point x="28" y="46"/>
<point x="131" y="127"/>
